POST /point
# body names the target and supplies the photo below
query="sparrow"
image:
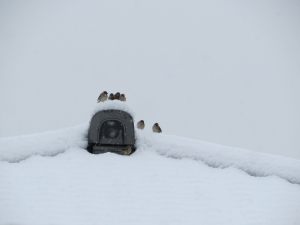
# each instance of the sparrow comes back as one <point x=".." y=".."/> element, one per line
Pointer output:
<point x="156" y="128"/>
<point x="122" y="98"/>
<point x="111" y="96"/>
<point x="141" y="124"/>
<point x="102" y="97"/>
<point x="127" y="150"/>
<point x="116" y="96"/>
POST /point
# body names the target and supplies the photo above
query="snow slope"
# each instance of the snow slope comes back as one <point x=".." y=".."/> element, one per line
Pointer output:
<point x="168" y="180"/>
<point x="80" y="188"/>
<point x="51" y="143"/>
<point x="218" y="156"/>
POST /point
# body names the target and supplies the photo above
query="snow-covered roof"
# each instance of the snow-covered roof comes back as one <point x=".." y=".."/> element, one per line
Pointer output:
<point x="51" y="143"/>
<point x="169" y="180"/>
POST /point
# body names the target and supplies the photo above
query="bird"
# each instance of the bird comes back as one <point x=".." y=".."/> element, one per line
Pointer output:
<point x="141" y="124"/>
<point x="102" y="97"/>
<point x="111" y="96"/>
<point x="127" y="150"/>
<point x="116" y="96"/>
<point x="156" y="128"/>
<point x="122" y="98"/>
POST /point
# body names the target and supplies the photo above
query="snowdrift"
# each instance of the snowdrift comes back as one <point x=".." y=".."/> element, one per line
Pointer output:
<point x="15" y="149"/>
<point x="219" y="156"/>
<point x="51" y="143"/>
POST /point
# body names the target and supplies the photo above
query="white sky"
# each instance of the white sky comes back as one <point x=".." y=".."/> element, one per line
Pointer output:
<point x="226" y="72"/>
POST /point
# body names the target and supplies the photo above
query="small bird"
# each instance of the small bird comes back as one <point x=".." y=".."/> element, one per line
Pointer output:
<point x="127" y="150"/>
<point x="111" y="96"/>
<point x="116" y="96"/>
<point x="102" y="97"/>
<point x="156" y="128"/>
<point x="141" y="124"/>
<point x="122" y="98"/>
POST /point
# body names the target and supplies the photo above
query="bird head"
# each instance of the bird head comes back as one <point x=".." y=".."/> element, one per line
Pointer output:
<point x="142" y="121"/>
<point x="105" y="92"/>
<point x="122" y="95"/>
<point x="156" y="124"/>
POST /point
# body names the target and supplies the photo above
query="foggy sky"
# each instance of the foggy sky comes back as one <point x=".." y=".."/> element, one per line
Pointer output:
<point x="226" y="72"/>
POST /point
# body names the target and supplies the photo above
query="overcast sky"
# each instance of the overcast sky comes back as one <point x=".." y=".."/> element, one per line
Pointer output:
<point x="226" y="72"/>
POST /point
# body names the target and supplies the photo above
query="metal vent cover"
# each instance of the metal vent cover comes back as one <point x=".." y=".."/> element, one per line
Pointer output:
<point x="113" y="127"/>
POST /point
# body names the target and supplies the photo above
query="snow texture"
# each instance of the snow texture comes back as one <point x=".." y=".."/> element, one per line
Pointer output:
<point x="80" y="188"/>
<point x="218" y="156"/>
<point x="50" y="143"/>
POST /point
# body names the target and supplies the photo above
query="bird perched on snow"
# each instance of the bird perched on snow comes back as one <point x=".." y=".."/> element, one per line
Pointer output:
<point x="156" y="128"/>
<point x="111" y="96"/>
<point x="122" y="98"/>
<point x="102" y="97"/>
<point x="127" y="150"/>
<point x="116" y="96"/>
<point x="141" y="124"/>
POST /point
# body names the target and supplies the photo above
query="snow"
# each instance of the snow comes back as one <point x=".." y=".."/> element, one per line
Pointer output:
<point x="49" y="178"/>
<point x="51" y="143"/>
<point x="118" y="105"/>
<point x="80" y="188"/>
<point x="218" y="156"/>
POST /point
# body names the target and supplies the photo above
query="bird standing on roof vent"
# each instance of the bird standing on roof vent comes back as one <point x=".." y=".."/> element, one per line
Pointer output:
<point x="141" y="124"/>
<point x="127" y="150"/>
<point x="102" y="97"/>
<point x="156" y="128"/>
<point x="122" y="98"/>
<point x="111" y="96"/>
